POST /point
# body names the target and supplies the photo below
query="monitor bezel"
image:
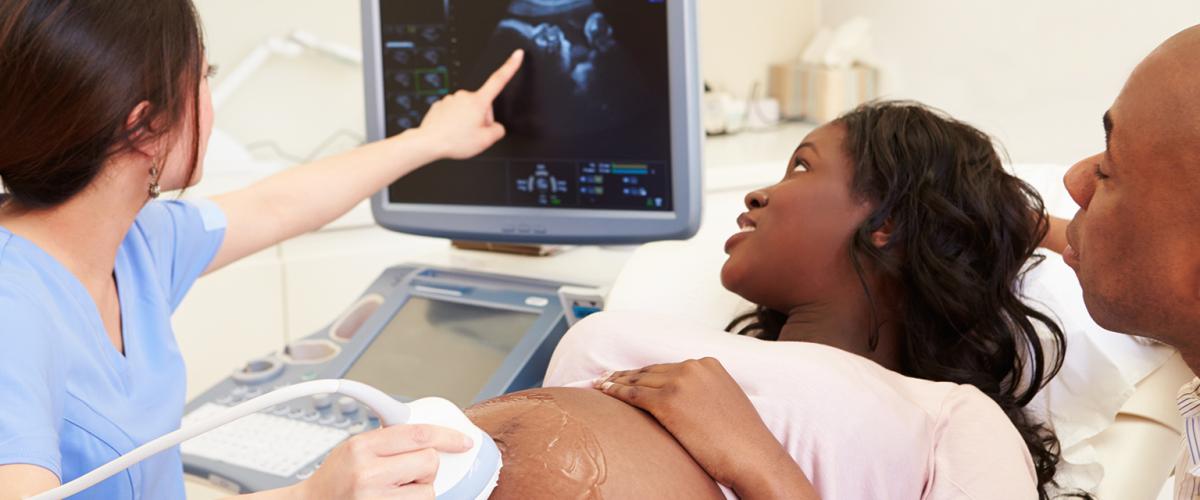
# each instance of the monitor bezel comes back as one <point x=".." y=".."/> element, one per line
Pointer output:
<point x="560" y="225"/>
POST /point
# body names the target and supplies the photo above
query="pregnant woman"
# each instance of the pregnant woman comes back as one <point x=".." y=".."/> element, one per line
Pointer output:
<point x="890" y="356"/>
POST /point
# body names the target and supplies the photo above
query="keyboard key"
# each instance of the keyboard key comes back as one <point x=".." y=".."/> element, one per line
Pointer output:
<point x="260" y="442"/>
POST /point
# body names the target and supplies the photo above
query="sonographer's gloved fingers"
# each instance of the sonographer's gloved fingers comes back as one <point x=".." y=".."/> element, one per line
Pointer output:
<point x="414" y="492"/>
<point x="399" y="439"/>
<point x="381" y="463"/>
<point x="418" y="467"/>
<point x="496" y="83"/>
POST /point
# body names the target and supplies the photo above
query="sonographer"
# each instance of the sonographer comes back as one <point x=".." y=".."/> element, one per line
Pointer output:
<point x="103" y="105"/>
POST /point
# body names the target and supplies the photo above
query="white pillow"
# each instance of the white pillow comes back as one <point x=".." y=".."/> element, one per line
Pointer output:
<point x="683" y="278"/>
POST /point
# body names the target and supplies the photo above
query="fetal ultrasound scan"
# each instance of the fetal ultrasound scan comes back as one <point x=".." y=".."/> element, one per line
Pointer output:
<point x="590" y="106"/>
<point x="578" y="69"/>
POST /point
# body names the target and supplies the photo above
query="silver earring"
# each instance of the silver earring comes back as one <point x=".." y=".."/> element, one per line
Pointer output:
<point x="154" y="189"/>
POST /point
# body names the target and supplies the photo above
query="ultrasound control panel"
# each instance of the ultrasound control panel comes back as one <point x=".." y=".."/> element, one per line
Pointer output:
<point x="415" y="332"/>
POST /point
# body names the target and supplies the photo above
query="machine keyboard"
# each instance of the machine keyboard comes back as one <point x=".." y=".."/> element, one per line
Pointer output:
<point x="265" y="443"/>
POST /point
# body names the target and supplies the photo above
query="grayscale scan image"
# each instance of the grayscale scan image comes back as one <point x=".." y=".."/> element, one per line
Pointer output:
<point x="579" y="67"/>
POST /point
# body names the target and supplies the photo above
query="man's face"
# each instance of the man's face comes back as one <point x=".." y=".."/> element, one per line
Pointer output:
<point x="1134" y="242"/>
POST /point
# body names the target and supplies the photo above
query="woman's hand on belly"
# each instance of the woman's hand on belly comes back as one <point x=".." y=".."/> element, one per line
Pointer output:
<point x="709" y="414"/>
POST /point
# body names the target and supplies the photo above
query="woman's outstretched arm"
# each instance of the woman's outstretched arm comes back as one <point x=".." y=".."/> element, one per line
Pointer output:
<point x="307" y="197"/>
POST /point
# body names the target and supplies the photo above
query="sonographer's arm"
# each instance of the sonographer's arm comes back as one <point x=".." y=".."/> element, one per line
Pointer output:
<point x="394" y="462"/>
<point x="307" y="197"/>
<point x="19" y="481"/>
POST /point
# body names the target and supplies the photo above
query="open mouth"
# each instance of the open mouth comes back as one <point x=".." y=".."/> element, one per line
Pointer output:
<point x="746" y="224"/>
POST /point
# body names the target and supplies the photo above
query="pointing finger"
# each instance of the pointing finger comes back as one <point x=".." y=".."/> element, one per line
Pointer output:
<point x="496" y="83"/>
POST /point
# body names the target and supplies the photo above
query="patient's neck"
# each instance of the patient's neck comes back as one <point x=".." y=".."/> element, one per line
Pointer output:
<point x="846" y="322"/>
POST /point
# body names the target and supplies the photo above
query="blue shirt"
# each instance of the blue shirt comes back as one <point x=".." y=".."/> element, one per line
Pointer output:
<point x="69" y="401"/>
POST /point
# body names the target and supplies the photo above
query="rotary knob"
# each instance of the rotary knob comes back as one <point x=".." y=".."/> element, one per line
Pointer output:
<point x="320" y="401"/>
<point x="347" y="405"/>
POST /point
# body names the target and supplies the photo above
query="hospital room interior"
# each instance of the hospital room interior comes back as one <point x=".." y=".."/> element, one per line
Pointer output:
<point x="522" y="294"/>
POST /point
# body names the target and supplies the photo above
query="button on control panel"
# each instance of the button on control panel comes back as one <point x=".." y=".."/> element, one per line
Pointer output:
<point x="347" y="405"/>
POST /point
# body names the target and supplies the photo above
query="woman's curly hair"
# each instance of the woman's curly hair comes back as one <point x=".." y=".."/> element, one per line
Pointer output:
<point x="962" y="231"/>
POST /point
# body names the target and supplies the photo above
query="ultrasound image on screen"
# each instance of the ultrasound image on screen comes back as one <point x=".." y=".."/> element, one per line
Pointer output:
<point x="588" y="115"/>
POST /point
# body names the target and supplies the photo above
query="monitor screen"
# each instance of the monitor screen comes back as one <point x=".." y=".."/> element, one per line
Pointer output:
<point x="439" y="348"/>
<point x="593" y="118"/>
<point x="588" y="116"/>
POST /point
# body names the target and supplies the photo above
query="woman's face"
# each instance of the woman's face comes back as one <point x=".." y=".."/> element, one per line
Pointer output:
<point x="794" y="245"/>
<point x="178" y="162"/>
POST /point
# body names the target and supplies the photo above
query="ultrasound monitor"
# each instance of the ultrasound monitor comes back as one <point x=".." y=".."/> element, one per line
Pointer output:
<point x="603" y="142"/>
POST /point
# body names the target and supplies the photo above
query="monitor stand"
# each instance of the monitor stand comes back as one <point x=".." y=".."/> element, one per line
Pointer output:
<point x="527" y="249"/>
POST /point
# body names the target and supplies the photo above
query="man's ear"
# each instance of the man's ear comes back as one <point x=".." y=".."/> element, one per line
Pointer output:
<point x="883" y="235"/>
<point x="141" y="138"/>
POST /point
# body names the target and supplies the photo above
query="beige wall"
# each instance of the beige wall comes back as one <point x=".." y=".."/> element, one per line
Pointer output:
<point x="294" y="102"/>
<point x="1036" y="74"/>
<point x="740" y="38"/>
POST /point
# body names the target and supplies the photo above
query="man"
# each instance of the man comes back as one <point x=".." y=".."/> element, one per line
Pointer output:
<point x="1134" y="243"/>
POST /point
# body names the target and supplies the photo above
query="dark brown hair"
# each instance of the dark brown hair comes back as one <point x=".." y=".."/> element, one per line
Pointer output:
<point x="72" y="71"/>
<point x="963" y="231"/>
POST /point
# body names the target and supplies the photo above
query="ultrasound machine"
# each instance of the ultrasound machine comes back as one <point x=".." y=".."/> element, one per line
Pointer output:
<point x="603" y="147"/>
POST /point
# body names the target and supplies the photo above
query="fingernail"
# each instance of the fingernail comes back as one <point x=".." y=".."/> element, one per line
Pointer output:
<point x="602" y="378"/>
<point x="606" y="386"/>
<point x="468" y="443"/>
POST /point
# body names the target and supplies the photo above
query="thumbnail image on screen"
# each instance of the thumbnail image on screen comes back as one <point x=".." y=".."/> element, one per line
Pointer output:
<point x="587" y="117"/>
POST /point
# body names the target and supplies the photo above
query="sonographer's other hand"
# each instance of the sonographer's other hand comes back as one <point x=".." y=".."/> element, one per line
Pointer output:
<point x="400" y="461"/>
<point x="461" y="125"/>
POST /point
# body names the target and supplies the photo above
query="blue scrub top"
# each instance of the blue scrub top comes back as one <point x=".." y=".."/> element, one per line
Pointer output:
<point x="69" y="401"/>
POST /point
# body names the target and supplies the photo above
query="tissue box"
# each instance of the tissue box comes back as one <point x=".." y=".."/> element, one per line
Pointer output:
<point x="819" y="93"/>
